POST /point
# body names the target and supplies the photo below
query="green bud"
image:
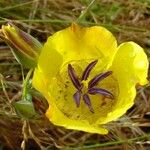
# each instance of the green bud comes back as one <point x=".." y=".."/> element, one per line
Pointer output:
<point x="25" y="109"/>
<point x="25" y="48"/>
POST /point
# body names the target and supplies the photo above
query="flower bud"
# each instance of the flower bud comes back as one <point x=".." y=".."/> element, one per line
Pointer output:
<point x="25" y="48"/>
<point x="25" y="109"/>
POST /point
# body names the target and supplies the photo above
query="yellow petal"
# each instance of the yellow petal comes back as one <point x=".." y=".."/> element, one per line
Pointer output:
<point x="130" y="66"/>
<point x="75" y="43"/>
<point x="80" y="43"/>
<point x="49" y="64"/>
<point x="131" y="63"/>
<point x="49" y="61"/>
<point x="39" y="81"/>
<point x="58" y="118"/>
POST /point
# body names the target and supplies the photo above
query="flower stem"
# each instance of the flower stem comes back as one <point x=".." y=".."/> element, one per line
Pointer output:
<point x="25" y="84"/>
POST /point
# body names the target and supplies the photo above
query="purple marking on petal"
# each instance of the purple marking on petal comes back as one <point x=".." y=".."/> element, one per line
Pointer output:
<point x="101" y="91"/>
<point x="27" y="38"/>
<point x="77" y="98"/>
<point x="88" y="69"/>
<point x="87" y="101"/>
<point x="99" y="77"/>
<point x="73" y="77"/>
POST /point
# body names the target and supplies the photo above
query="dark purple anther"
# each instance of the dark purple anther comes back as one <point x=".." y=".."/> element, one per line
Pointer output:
<point x="87" y="101"/>
<point x="77" y="98"/>
<point x="88" y="69"/>
<point x="101" y="91"/>
<point x="96" y="79"/>
<point x="91" y="89"/>
<point x="74" y="77"/>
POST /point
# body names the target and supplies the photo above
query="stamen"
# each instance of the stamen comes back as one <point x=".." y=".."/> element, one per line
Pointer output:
<point x="74" y="77"/>
<point x="87" y="101"/>
<point x="77" y="98"/>
<point x="101" y="91"/>
<point x="88" y="69"/>
<point x="89" y="87"/>
<point x="96" y="79"/>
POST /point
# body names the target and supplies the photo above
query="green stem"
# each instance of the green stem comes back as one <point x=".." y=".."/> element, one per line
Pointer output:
<point x="25" y="84"/>
<point x="37" y="21"/>
<point x="16" y="6"/>
<point x="83" y="13"/>
<point x="114" y="142"/>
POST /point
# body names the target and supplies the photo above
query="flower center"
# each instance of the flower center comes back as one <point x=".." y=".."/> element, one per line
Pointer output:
<point x="85" y="87"/>
<point x="63" y="90"/>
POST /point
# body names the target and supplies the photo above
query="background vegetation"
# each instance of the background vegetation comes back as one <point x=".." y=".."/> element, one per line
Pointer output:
<point x="127" y="19"/>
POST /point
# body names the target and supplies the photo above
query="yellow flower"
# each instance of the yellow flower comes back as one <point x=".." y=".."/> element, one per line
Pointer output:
<point x="87" y="79"/>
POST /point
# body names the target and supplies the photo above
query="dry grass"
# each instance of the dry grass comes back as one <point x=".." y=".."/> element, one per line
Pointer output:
<point x="128" y="20"/>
